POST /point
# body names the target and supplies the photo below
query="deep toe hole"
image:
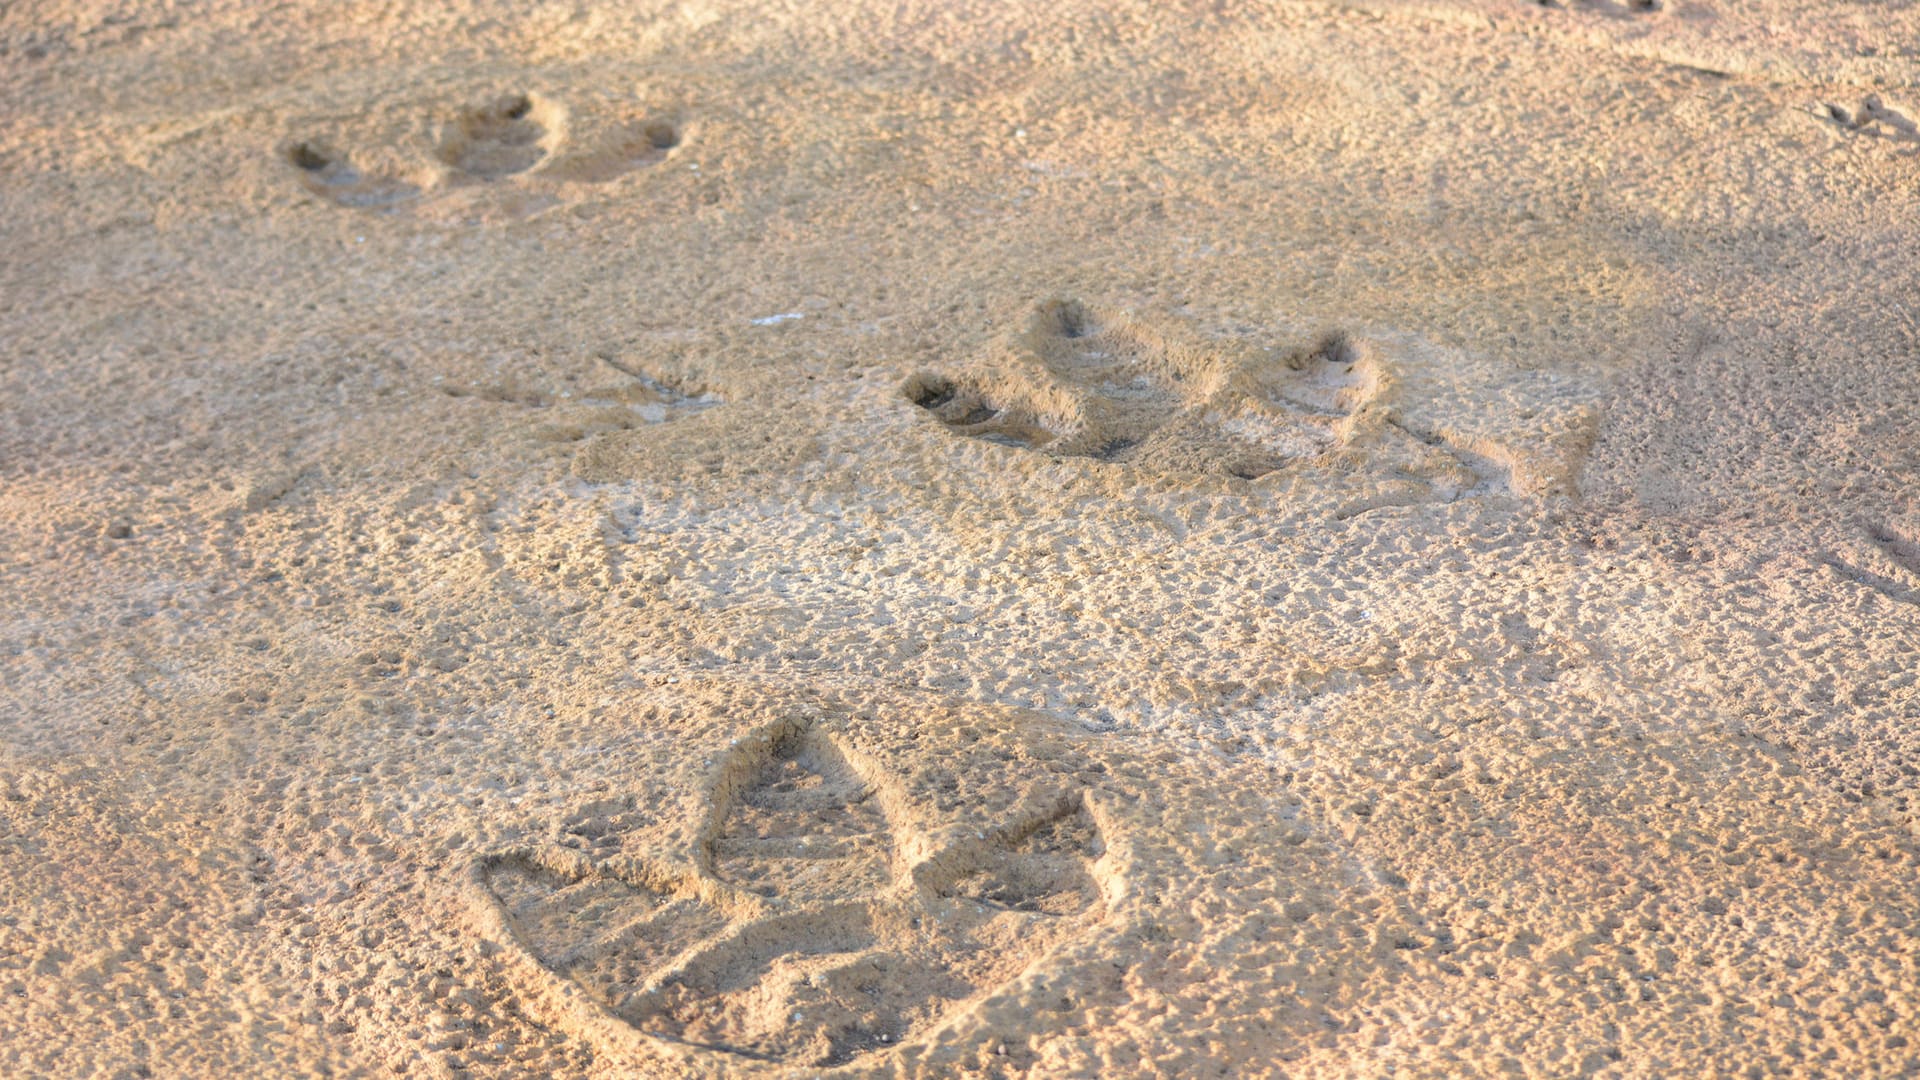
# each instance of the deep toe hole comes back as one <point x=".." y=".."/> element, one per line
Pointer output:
<point x="661" y="135"/>
<point x="507" y="119"/>
<point x="929" y="391"/>
<point x="1335" y="348"/>
<point x="309" y="157"/>
<point x="1072" y="319"/>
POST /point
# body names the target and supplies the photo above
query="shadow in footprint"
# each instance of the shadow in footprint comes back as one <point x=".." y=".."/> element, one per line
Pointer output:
<point x="1613" y="8"/>
<point x="328" y="172"/>
<point x="655" y="400"/>
<point x="966" y="413"/>
<point x="1896" y="560"/>
<point x="507" y="135"/>
<point x="1873" y="118"/>
<point x="1093" y="385"/>
<point x="619" y="153"/>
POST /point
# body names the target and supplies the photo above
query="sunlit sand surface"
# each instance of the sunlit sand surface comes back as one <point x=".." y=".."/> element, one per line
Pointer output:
<point x="932" y="540"/>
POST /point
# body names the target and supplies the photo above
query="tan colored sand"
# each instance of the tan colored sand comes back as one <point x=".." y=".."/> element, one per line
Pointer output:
<point x="959" y="540"/>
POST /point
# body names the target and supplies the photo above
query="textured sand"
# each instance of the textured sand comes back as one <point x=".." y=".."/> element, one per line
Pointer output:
<point x="935" y="540"/>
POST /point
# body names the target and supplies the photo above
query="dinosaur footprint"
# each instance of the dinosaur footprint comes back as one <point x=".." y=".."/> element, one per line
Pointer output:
<point x="514" y="148"/>
<point x="815" y="923"/>
<point x="1872" y="117"/>
<point x="1079" y="381"/>
<point x="1084" y="382"/>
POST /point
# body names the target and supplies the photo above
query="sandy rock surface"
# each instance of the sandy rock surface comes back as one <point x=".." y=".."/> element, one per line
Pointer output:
<point x="932" y="540"/>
